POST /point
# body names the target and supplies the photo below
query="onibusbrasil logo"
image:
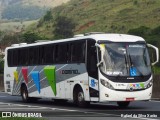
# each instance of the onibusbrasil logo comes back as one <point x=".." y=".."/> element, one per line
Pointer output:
<point x="16" y="114"/>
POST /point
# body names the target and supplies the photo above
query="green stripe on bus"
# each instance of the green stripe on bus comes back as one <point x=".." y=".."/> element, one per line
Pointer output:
<point x="142" y="85"/>
<point x="50" y="73"/>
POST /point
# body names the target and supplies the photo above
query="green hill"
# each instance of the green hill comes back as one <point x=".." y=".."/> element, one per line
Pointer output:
<point x="14" y="12"/>
<point x="104" y="15"/>
<point x="26" y="9"/>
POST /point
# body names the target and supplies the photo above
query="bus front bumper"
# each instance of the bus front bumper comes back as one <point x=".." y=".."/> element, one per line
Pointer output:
<point x="114" y="95"/>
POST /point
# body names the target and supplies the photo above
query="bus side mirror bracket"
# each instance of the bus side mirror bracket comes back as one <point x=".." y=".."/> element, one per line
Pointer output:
<point x="101" y="62"/>
<point x="157" y="53"/>
<point x="97" y="45"/>
<point x="98" y="64"/>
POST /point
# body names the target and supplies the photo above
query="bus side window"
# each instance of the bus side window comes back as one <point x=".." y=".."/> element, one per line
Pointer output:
<point x="15" y="57"/>
<point x="56" y="54"/>
<point x="33" y="56"/>
<point x="62" y="52"/>
<point x="41" y="55"/>
<point x="10" y="58"/>
<point x="23" y="57"/>
<point x="68" y="53"/>
<point x="72" y="53"/>
<point x="36" y="56"/>
<point x="48" y="54"/>
<point x="78" y="52"/>
<point x="53" y="53"/>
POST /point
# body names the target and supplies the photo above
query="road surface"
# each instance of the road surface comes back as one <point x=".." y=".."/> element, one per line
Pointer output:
<point x="68" y="111"/>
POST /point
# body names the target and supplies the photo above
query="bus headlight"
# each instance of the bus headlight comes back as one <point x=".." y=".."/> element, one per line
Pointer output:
<point x="106" y="84"/>
<point x="148" y="85"/>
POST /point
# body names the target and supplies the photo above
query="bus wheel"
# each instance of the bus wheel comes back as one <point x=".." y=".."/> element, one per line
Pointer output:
<point x="24" y="94"/>
<point x="123" y="104"/>
<point x="80" y="99"/>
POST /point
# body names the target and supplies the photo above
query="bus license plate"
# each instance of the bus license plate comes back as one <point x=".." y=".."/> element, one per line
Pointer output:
<point x="129" y="99"/>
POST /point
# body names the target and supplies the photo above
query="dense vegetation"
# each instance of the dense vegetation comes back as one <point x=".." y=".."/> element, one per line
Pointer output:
<point x="116" y="16"/>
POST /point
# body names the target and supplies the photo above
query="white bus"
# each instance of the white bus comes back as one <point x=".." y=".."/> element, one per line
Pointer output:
<point x="86" y="68"/>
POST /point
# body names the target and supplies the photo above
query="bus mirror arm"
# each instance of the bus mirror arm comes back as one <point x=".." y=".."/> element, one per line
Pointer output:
<point x="97" y="45"/>
<point x="157" y="53"/>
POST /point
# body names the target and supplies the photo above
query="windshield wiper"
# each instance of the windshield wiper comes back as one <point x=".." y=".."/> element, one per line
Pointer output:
<point x="130" y="60"/>
<point x="126" y="63"/>
<point x="144" y="56"/>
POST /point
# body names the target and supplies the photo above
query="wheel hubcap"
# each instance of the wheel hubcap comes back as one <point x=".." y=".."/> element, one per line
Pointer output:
<point x="80" y="96"/>
<point x="24" y="95"/>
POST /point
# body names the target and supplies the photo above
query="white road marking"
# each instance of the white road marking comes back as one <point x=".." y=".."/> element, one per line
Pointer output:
<point x="154" y="101"/>
<point x="102" y="114"/>
<point x="21" y="108"/>
<point x="3" y="96"/>
<point x="2" y="92"/>
<point x="33" y="107"/>
<point x="64" y="109"/>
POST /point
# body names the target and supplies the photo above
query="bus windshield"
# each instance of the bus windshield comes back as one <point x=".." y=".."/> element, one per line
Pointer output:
<point x="126" y="59"/>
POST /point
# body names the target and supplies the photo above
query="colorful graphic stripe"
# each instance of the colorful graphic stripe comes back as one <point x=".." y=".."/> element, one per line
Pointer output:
<point x="36" y="79"/>
<point x="137" y="86"/>
<point x="50" y="73"/>
<point x="16" y="76"/>
<point x="25" y="74"/>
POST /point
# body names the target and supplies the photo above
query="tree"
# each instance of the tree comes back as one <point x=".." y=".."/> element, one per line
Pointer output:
<point x="156" y="31"/>
<point x="30" y="37"/>
<point x="141" y="31"/>
<point x="1" y="36"/>
<point x="48" y="16"/>
<point x="1" y="65"/>
<point x="8" y="39"/>
<point x="63" y="27"/>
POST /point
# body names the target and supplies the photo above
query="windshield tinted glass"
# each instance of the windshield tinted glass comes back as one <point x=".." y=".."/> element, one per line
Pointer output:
<point x="126" y="59"/>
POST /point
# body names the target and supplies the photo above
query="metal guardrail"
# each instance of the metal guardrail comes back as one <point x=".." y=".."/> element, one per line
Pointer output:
<point x="1" y="83"/>
<point x="156" y="87"/>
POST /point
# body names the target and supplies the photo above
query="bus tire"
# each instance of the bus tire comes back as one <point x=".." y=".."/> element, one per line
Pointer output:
<point x="79" y="98"/>
<point x="24" y="94"/>
<point x="123" y="104"/>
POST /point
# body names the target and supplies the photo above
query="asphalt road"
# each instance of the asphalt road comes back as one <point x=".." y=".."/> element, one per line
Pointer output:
<point x="67" y="111"/>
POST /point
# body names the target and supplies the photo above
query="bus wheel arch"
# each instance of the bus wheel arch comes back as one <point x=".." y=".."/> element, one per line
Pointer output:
<point x="24" y="92"/>
<point x="78" y="96"/>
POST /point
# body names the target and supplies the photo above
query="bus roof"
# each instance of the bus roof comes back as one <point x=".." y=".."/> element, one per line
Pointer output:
<point x="102" y="37"/>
